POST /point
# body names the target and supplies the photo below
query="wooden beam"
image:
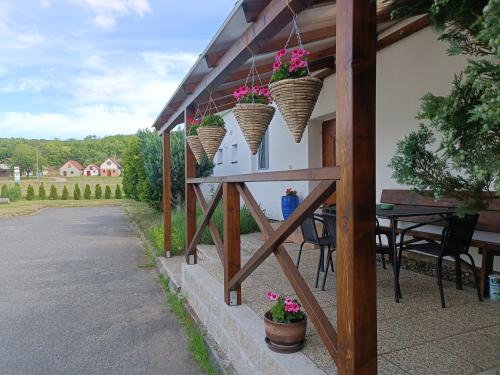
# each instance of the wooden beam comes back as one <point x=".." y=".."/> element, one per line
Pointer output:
<point x="252" y="9"/>
<point x="411" y="28"/>
<point x="232" y="244"/>
<point x="207" y="220"/>
<point x="190" y="196"/>
<point x="356" y="280"/>
<point x="314" y="311"/>
<point x="271" y="20"/>
<point x="308" y="206"/>
<point x="167" y="197"/>
<point x="312" y="174"/>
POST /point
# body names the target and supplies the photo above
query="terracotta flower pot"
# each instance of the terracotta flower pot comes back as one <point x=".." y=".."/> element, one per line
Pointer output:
<point x="296" y="98"/>
<point x="253" y="120"/>
<point x="285" y="338"/>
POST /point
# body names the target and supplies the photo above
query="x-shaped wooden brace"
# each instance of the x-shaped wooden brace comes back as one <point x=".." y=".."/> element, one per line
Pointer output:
<point x="208" y="211"/>
<point x="274" y="244"/>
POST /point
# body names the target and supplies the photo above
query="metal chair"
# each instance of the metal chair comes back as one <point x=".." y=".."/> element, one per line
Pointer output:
<point x="382" y="249"/>
<point x="330" y="222"/>
<point x="310" y="235"/>
<point x="455" y="241"/>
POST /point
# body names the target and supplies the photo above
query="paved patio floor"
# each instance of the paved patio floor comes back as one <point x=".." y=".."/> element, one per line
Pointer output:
<point x="415" y="336"/>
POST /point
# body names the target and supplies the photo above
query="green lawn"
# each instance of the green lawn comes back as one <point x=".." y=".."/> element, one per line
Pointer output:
<point x="70" y="182"/>
<point x="24" y="207"/>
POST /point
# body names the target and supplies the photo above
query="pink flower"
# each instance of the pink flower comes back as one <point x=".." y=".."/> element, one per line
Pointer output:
<point x="272" y="296"/>
<point x="288" y="300"/>
<point x="256" y="89"/>
<point x="280" y="53"/>
<point x="302" y="64"/>
<point x="292" y="67"/>
<point x="276" y="65"/>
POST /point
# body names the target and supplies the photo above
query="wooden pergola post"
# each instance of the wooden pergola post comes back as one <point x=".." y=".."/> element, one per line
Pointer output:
<point x="356" y="278"/>
<point x="167" y="197"/>
<point x="232" y="242"/>
<point x="190" y="195"/>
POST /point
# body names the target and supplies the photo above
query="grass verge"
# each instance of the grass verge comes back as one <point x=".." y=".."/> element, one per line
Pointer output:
<point x="196" y="342"/>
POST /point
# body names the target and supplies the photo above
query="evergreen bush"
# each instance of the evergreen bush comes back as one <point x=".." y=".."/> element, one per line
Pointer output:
<point x="42" y="194"/>
<point x="87" y="193"/>
<point x="77" y="194"/>
<point x="14" y="193"/>
<point x="65" y="193"/>
<point x="118" y="192"/>
<point x="4" y="192"/>
<point x="53" y="193"/>
<point x="98" y="191"/>
<point x="30" y="193"/>
<point x="107" y="192"/>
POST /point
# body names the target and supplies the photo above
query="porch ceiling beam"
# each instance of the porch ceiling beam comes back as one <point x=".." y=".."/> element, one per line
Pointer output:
<point x="316" y="174"/>
<point x="252" y="9"/>
<point x="401" y="33"/>
<point x="271" y="20"/>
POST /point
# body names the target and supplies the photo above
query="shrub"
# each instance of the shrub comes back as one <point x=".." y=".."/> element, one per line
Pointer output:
<point x="65" y="193"/>
<point x="30" y="193"/>
<point x="98" y="192"/>
<point x="14" y="193"/>
<point x="41" y="191"/>
<point x="107" y="192"/>
<point x="118" y="192"/>
<point x="87" y="193"/>
<point x="53" y="193"/>
<point x="155" y="235"/>
<point x="77" y="194"/>
<point x="4" y="192"/>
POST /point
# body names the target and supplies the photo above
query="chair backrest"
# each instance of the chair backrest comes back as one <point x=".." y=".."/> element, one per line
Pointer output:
<point x="330" y="221"/>
<point x="458" y="234"/>
<point x="309" y="230"/>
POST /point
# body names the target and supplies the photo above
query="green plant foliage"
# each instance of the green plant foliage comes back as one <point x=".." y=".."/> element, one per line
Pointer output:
<point x="42" y="194"/>
<point x="281" y="316"/>
<point x="107" y="192"/>
<point x="87" y="193"/>
<point x="53" y="193"/>
<point x="30" y="193"/>
<point x="77" y="194"/>
<point x="193" y="128"/>
<point x="118" y="192"/>
<point x="214" y="121"/>
<point x="466" y="161"/>
<point x="4" y="192"/>
<point x="65" y="194"/>
<point x="14" y="193"/>
<point x="98" y="191"/>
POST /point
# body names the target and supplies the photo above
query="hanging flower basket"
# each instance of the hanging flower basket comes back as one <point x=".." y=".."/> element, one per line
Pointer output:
<point x="211" y="133"/>
<point x="253" y="114"/>
<point x="196" y="147"/>
<point x="296" y="98"/>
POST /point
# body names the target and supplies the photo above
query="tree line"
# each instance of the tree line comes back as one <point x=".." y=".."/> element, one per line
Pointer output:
<point x="14" y="192"/>
<point x="143" y="168"/>
<point x="54" y="153"/>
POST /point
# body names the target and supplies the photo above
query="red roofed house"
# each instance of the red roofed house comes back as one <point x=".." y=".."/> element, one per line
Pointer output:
<point x="91" y="170"/>
<point x="111" y="168"/>
<point x="71" y="168"/>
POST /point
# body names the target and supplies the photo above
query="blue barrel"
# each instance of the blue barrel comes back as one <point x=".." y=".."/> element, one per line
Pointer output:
<point x="494" y="287"/>
<point x="288" y="204"/>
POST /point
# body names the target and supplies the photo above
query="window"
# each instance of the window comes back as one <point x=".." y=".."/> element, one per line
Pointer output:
<point x="219" y="156"/>
<point x="264" y="152"/>
<point x="234" y="153"/>
<point x="108" y="163"/>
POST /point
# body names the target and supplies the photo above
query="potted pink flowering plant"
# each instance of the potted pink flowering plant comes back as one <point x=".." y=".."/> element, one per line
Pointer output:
<point x="253" y="113"/>
<point x="294" y="90"/>
<point x="285" y="324"/>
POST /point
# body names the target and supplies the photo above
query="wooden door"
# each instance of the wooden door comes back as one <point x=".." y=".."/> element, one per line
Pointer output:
<point x="328" y="147"/>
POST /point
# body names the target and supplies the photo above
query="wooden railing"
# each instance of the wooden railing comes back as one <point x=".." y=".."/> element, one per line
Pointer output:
<point x="230" y="189"/>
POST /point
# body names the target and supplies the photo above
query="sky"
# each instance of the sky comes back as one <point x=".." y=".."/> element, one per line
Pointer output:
<point x="72" y="68"/>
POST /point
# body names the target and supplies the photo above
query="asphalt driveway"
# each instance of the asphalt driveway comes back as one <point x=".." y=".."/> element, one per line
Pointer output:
<point x="74" y="299"/>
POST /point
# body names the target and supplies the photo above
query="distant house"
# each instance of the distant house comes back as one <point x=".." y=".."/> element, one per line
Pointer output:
<point x="71" y="168"/>
<point x="111" y="167"/>
<point x="91" y="170"/>
<point x="5" y="167"/>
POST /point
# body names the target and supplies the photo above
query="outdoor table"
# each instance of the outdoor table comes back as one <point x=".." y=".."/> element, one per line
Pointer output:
<point x="393" y="215"/>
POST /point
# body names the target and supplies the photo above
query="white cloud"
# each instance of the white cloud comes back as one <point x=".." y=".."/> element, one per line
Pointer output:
<point x="13" y="38"/>
<point x="32" y="84"/>
<point x="45" y="4"/>
<point x="107" y="11"/>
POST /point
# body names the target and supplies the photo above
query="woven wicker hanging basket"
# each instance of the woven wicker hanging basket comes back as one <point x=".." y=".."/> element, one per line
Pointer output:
<point x="211" y="139"/>
<point x="296" y="98"/>
<point x="253" y="120"/>
<point x="196" y="147"/>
